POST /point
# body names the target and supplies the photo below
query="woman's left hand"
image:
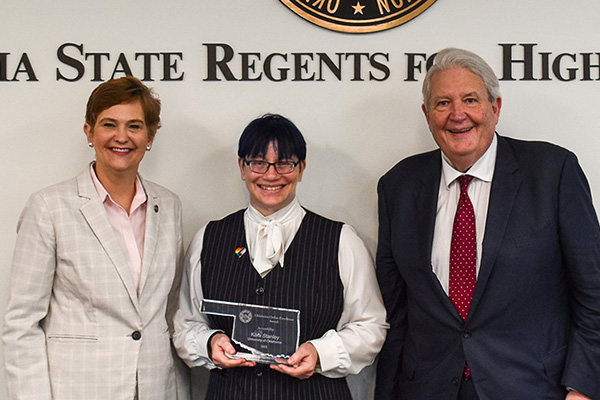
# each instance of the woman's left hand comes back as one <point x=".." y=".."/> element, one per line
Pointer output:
<point x="301" y="364"/>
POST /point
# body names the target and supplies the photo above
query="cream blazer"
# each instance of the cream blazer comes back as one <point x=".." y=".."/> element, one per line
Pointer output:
<point x="74" y="327"/>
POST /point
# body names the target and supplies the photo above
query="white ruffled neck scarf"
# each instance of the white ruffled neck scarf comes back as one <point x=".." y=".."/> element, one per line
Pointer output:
<point x="268" y="248"/>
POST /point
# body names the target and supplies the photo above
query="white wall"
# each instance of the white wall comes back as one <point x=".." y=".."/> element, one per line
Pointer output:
<point x="355" y="130"/>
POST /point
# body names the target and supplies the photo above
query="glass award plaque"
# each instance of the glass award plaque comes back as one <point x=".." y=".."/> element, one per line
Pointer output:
<point x="270" y="335"/>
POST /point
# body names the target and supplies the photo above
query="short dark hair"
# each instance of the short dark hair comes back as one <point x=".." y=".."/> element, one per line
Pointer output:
<point x="272" y="128"/>
<point x="124" y="90"/>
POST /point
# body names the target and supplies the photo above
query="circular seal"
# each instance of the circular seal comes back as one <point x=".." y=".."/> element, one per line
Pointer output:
<point x="245" y="316"/>
<point x="358" y="16"/>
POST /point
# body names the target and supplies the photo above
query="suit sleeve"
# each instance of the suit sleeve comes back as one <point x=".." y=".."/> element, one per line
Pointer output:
<point x="173" y="299"/>
<point x="393" y="291"/>
<point x="183" y="372"/>
<point x="32" y="276"/>
<point x="580" y="242"/>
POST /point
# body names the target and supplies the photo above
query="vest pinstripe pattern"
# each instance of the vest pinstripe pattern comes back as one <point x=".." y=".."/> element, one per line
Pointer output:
<point x="309" y="282"/>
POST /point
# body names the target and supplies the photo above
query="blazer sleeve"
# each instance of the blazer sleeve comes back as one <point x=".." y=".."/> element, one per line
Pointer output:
<point x="33" y="268"/>
<point x="393" y="291"/>
<point x="580" y="242"/>
<point x="173" y="299"/>
<point x="183" y="372"/>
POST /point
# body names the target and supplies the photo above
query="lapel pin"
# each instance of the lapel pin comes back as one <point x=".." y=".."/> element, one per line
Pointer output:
<point x="240" y="251"/>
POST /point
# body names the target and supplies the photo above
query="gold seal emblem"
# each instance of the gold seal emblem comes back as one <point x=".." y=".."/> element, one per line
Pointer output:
<point x="358" y="16"/>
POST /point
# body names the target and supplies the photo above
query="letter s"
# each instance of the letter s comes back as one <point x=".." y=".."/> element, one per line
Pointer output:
<point x="70" y="61"/>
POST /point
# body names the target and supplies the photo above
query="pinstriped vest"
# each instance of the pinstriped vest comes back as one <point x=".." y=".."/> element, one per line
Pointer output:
<point x="310" y="282"/>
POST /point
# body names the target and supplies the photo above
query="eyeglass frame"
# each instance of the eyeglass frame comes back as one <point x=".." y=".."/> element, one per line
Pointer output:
<point x="294" y="164"/>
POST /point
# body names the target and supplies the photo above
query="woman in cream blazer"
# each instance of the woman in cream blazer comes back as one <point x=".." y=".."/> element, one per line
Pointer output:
<point x="83" y="320"/>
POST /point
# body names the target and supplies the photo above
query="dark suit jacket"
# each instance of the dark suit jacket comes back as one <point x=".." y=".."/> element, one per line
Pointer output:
<point x="534" y="323"/>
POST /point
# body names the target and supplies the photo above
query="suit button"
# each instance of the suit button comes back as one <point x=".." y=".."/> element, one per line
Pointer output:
<point x="260" y="291"/>
<point x="155" y="209"/>
<point x="467" y="334"/>
<point x="455" y="381"/>
<point x="136" y="335"/>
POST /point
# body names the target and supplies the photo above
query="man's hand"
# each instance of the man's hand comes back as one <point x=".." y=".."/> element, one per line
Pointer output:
<point x="301" y="364"/>
<point x="575" y="395"/>
<point x="220" y="346"/>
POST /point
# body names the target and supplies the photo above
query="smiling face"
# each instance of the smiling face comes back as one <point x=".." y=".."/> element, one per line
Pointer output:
<point x="460" y="116"/>
<point x="120" y="137"/>
<point x="271" y="191"/>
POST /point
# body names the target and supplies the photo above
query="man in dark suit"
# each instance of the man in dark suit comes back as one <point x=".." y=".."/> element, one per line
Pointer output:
<point x="491" y="281"/>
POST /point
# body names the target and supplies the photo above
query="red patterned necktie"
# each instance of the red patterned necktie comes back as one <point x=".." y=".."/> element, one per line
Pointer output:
<point x="463" y="251"/>
<point x="463" y="255"/>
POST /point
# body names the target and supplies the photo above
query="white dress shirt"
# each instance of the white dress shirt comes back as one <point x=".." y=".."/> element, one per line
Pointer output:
<point x="359" y="334"/>
<point x="269" y="237"/>
<point x="449" y="193"/>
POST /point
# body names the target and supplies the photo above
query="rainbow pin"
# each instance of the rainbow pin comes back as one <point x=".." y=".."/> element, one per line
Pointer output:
<point x="240" y="251"/>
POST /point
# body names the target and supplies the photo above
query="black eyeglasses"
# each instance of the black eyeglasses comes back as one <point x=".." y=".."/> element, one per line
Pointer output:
<point x="281" y="167"/>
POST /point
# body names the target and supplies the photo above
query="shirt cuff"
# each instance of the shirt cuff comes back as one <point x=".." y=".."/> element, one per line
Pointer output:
<point x="332" y="353"/>
<point x="200" y="345"/>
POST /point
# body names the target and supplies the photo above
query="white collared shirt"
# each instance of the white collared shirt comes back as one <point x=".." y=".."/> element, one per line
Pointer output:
<point x="288" y="220"/>
<point x="449" y="193"/>
<point x="359" y="334"/>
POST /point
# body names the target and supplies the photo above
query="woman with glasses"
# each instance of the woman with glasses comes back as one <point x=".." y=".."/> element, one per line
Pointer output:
<point x="276" y="253"/>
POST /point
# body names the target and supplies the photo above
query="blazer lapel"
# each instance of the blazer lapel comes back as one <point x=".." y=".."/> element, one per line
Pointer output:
<point x="94" y="213"/>
<point x="152" y="227"/>
<point x="505" y="185"/>
<point x="427" y="200"/>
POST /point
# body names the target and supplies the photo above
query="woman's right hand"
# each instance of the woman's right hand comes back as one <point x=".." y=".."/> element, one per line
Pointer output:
<point x="220" y="347"/>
